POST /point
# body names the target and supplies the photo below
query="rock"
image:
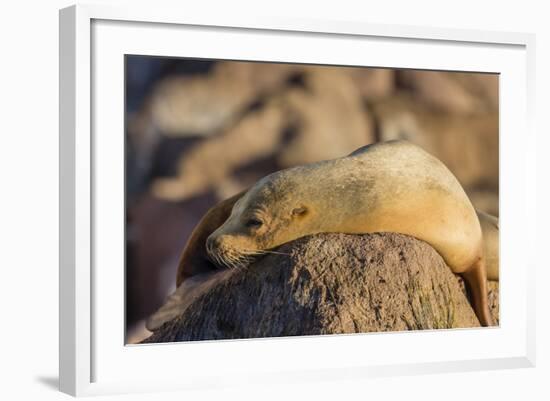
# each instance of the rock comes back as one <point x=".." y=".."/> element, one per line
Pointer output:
<point x="493" y="295"/>
<point x="453" y="92"/>
<point x="211" y="162"/>
<point x="204" y="105"/>
<point x="321" y="118"/>
<point x="329" y="117"/>
<point x="327" y="284"/>
<point x="373" y="83"/>
<point x="195" y="106"/>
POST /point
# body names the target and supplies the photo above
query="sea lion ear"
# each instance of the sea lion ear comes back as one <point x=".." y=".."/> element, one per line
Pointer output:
<point x="299" y="211"/>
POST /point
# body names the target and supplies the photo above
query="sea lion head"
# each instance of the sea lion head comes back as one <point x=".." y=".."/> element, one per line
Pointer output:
<point x="271" y="213"/>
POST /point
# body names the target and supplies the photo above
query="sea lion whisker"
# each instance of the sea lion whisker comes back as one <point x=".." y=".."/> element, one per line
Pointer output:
<point x="220" y="260"/>
<point x="255" y="252"/>
<point x="277" y="253"/>
<point x="227" y="263"/>
<point x="247" y="258"/>
<point x="244" y="260"/>
<point x="262" y="252"/>
<point x="234" y="259"/>
<point x="241" y="259"/>
<point x="248" y="252"/>
<point x="223" y="260"/>
<point x="238" y="264"/>
<point x="214" y="257"/>
<point x="228" y="260"/>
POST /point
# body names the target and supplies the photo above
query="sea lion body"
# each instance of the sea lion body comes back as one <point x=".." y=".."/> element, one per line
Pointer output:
<point x="386" y="187"/>
<point x="394" y="186"/>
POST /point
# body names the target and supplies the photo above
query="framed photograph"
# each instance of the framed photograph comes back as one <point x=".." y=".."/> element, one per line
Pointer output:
<point x="292" y="199"/>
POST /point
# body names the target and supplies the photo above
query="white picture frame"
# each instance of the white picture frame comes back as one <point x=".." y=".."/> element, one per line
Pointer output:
<point x="93" y="357"/>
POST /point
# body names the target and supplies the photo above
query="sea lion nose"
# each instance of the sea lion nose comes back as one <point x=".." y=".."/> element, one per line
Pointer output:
<point x="212" y="242"/>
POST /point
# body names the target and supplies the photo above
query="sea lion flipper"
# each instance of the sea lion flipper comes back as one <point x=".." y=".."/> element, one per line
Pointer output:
<point x="177" y="302"/>
<point x="166" y="312"/>
<point x="476" y="280"/>
<point x="193" y="259"/>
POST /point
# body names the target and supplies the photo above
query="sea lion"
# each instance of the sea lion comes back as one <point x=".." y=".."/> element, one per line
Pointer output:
<point x="391" y="186"/>
<point x="490" y="230"/>
<point x="194" y="258"/>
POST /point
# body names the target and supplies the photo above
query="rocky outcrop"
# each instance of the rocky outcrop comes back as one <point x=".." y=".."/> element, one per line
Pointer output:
<point x="327" y="284"/>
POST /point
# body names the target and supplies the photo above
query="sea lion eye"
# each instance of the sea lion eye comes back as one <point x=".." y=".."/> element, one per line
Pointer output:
<point x="299" y="211"/>
<point x="254" y="223"/>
